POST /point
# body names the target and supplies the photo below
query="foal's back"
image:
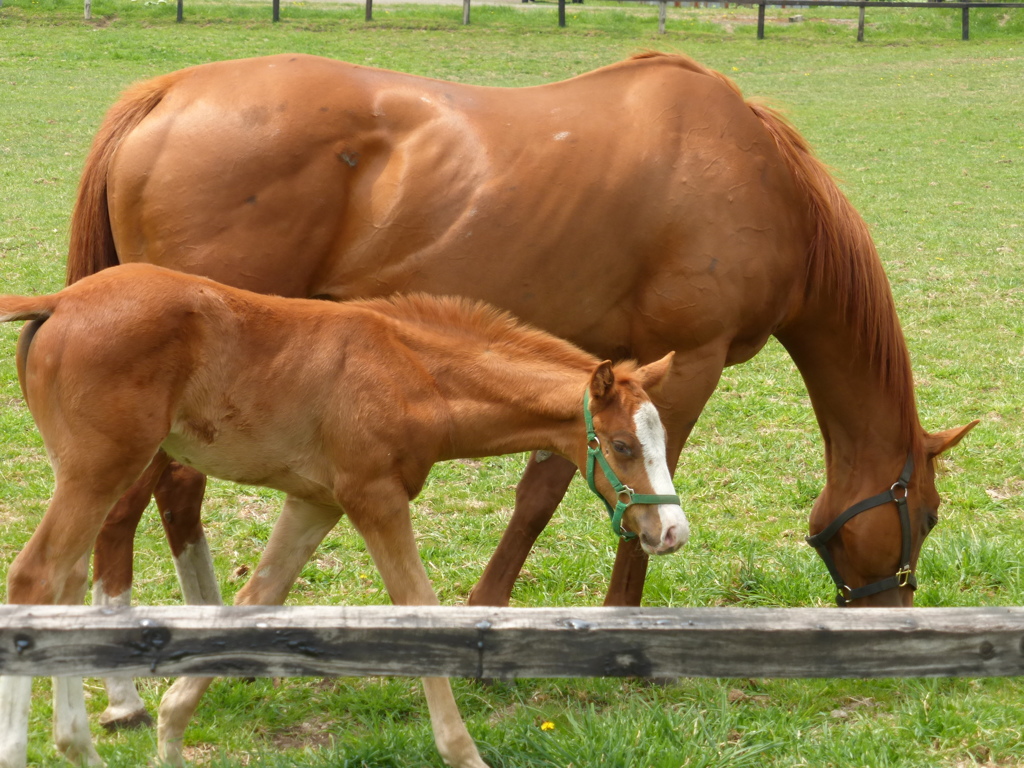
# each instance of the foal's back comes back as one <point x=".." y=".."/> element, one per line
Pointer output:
<point x="241" y="386"/>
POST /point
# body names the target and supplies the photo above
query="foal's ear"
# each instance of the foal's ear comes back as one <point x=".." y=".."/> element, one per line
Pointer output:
<point x="652" y="376"/>
<point x="602" y="382"/>
<point x="940" y="442"/>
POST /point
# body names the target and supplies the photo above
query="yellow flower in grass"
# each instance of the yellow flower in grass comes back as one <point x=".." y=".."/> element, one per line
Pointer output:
<point x="547" y="725"/>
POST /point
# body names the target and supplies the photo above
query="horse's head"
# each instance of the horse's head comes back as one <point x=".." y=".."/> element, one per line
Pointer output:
<point x="870" y="537"/>
<point x="626" y="463"/>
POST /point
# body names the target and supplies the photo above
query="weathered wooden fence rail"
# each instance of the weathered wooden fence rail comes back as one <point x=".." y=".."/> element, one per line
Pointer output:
<point x="511" y="643"/>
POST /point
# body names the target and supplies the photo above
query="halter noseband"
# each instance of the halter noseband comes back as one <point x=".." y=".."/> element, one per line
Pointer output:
<point x="904" y="577"/>
<point x="625" y="495"/>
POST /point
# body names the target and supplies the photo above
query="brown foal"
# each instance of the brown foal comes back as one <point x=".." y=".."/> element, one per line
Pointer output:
<point x="344" y="407"/>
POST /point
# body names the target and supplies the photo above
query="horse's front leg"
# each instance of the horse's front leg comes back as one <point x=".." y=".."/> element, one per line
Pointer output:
<point x="680" y="400"/>
<point x="381" y="515"/>
<point x="297" y="533"/>
<point x="541" y="488"/>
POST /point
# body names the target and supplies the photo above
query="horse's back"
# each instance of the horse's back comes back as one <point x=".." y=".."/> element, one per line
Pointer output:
<point x="304" y="176"/>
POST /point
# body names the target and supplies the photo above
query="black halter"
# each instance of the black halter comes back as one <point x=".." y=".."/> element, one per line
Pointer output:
<point x="904" y="577"/>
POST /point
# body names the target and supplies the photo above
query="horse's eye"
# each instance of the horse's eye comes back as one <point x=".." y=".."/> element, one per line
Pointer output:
<point x="621" y="448"/>
<point x="932" y="521"/>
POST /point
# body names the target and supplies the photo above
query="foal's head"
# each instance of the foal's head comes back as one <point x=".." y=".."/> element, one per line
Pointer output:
<point x="627" y="464"/>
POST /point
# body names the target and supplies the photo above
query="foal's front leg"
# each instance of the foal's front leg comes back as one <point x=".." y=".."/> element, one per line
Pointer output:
<point x="382" y="517"/>
<point x="297" y="533"/>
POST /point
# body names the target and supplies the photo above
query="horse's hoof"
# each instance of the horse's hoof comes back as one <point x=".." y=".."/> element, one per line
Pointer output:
<point x="130" y="722"/>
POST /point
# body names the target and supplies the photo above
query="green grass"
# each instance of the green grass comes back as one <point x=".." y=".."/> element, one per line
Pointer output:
<point x="926" y="133"/>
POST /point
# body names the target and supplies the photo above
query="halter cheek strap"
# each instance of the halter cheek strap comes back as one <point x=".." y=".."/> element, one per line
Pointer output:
<point x="904" y="577"/>
<point x="624" y="494"/>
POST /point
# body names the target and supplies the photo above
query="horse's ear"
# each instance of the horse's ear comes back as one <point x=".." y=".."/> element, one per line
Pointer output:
<point x="940" y="442"/>
<point x="652" y="376"/>
<point x="602" y="382"/>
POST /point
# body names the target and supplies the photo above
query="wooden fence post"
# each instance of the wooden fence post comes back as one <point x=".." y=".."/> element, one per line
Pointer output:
<point x="760" y="20"/>
<point x="965" y="23"/>
<point x="369" y="10"/>
<point x="181" y="11"/>
<point x="561" y="13"/>
<point x="860" y="25"/>
<point x="465" y="11"/>
<point x="277" y="10"/>
<point x="662" y="13"/>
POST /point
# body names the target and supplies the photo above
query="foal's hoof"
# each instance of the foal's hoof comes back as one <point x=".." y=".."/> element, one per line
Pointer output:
<point x="129" y="722"/>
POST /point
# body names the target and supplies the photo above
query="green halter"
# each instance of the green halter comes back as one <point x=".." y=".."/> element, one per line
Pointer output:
<point x="625" y="494"/>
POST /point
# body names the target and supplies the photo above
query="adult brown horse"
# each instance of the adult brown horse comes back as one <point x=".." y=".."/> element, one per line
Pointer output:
<point x="344" y="407"/>
<point x="641" y="208"/>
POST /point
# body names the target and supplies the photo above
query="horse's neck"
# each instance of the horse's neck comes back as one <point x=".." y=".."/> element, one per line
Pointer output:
<point x="864" y="404"/>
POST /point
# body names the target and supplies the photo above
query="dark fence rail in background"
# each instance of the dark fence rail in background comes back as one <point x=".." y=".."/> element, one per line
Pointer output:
<point x="511" y="642"/>
<point x="965" y="24"/>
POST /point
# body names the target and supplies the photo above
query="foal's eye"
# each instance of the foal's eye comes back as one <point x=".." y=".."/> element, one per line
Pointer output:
<point x="621" y="448"/>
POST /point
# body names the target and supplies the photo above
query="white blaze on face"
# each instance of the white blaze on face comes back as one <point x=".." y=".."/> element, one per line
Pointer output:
<point x="651" y="435"/>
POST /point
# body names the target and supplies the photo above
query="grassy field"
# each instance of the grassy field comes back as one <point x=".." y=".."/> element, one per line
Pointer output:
<point x="927" y="135"/>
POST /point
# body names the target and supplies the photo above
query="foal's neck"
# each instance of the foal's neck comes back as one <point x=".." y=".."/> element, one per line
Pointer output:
<point x="497" y="408"/>
<point x="507" y="390"/>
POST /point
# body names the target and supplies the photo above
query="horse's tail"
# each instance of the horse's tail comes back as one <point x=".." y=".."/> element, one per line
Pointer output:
<point x="92" y="240"/>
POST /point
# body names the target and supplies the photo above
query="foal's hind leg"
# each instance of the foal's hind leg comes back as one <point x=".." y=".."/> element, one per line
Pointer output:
<point x="178" y="491"/>
<point x="296" y="535"/>
<point x="112" y="586"/>
<point x="541" y="488"/>
<point x="52" y="569"/>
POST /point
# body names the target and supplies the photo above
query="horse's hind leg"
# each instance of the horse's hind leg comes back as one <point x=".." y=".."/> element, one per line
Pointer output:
<point x="179" y="497"/>
<point x="538" y="494"/>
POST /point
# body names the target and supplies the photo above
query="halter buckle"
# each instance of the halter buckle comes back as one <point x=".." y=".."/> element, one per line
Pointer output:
<point x="903" y="575"/>
<point x="626" y="495"/>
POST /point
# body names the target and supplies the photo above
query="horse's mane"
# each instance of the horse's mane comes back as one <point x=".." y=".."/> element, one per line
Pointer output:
<point x="478" y="323"/>
<point x="842" y="263"/>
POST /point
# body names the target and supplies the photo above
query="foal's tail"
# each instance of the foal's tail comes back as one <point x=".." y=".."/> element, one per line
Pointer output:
<point x="92" y="241"/>
<point x="27" y="307"/>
